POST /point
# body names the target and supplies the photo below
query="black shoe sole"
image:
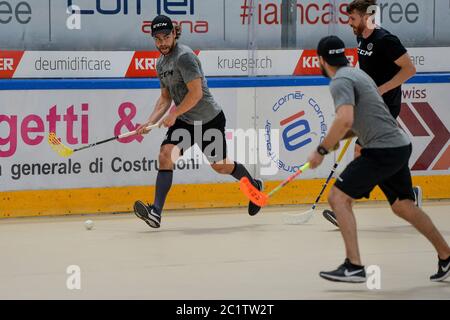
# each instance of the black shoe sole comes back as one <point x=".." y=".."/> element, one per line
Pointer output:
<point x="140" y="210"/>
<point x="327" y="214"/>
<point x="253" y="209"/>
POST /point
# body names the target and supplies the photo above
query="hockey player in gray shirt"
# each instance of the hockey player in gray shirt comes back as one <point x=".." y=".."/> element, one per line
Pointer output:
<point x="386" y="149"/>
<point x="183" y="82"/>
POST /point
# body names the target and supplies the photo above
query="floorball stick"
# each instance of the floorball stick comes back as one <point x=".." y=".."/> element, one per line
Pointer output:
<point x="261" y="199"/>
<point x="64" y="151"/>
<point x="304" y="217"/>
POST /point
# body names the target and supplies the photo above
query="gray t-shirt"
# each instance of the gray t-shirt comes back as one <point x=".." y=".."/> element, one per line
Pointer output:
<point x="373" y="124"/>
<point x="178" y="68"/>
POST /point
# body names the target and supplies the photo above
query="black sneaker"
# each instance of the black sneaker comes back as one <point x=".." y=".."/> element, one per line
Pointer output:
<point x="330" y="216"/>
<point x="347" y="272"/>
<point x="148" y="213"/>
<point x="253" y="209"/>
<point x="443" y="271"/>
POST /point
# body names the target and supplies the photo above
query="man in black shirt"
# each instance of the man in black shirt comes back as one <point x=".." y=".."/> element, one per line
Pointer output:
<point x="383" y="57"/>
<point x="381" y="54"/>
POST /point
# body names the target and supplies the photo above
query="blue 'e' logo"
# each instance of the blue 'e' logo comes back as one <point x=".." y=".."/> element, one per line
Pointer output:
<point x="295" y="131"/>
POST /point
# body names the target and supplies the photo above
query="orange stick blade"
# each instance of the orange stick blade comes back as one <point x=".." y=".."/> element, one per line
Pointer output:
<point x="253" y="194"/>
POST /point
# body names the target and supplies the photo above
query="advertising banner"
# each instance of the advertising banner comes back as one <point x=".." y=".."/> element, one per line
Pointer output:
<point x="302" y="116"/>
<point x="139" y="64"/>
<point x="81" y="117"/>
<point x="105" y="25"/>
<point x="424" y="115"/>
<point x="271" y="130"/>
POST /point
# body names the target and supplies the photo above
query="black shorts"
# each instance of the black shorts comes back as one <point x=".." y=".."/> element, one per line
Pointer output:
<point x="210" y="137"/>
<point x="388" y="168"/>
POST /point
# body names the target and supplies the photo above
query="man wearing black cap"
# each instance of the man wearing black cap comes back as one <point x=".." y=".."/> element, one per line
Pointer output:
<point x="361" y="112"/>
<point x="182" y="81"/>
<point x="384" y="58"/>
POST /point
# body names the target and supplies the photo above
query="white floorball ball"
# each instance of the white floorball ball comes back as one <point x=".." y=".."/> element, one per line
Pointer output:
<point x="89" y="224"/>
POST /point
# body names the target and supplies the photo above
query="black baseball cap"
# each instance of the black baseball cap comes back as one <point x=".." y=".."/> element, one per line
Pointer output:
<point x="332" y="50"/>
<point x="161" y="24"/>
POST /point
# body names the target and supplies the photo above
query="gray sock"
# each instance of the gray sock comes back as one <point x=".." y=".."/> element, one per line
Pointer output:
<point x="240" y="171"/>
<point x="163" y="184"/>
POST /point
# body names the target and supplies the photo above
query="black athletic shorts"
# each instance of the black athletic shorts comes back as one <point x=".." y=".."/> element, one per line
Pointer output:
<point x="388" y="168"/>
<point x="210" y="137"/>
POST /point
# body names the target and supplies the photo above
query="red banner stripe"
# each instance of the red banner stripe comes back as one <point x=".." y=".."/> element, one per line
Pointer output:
<point x="9" y="60"/>
<point x="411" y="122"/>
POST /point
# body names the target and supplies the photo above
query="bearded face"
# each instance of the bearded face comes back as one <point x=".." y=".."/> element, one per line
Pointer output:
<point x="358" y="22"/>
<point x="165" y="42"/>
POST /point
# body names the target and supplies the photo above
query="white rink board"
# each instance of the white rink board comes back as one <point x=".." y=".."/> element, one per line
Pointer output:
<point x="103" y="116"/>
<point x="28" y="115"/>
